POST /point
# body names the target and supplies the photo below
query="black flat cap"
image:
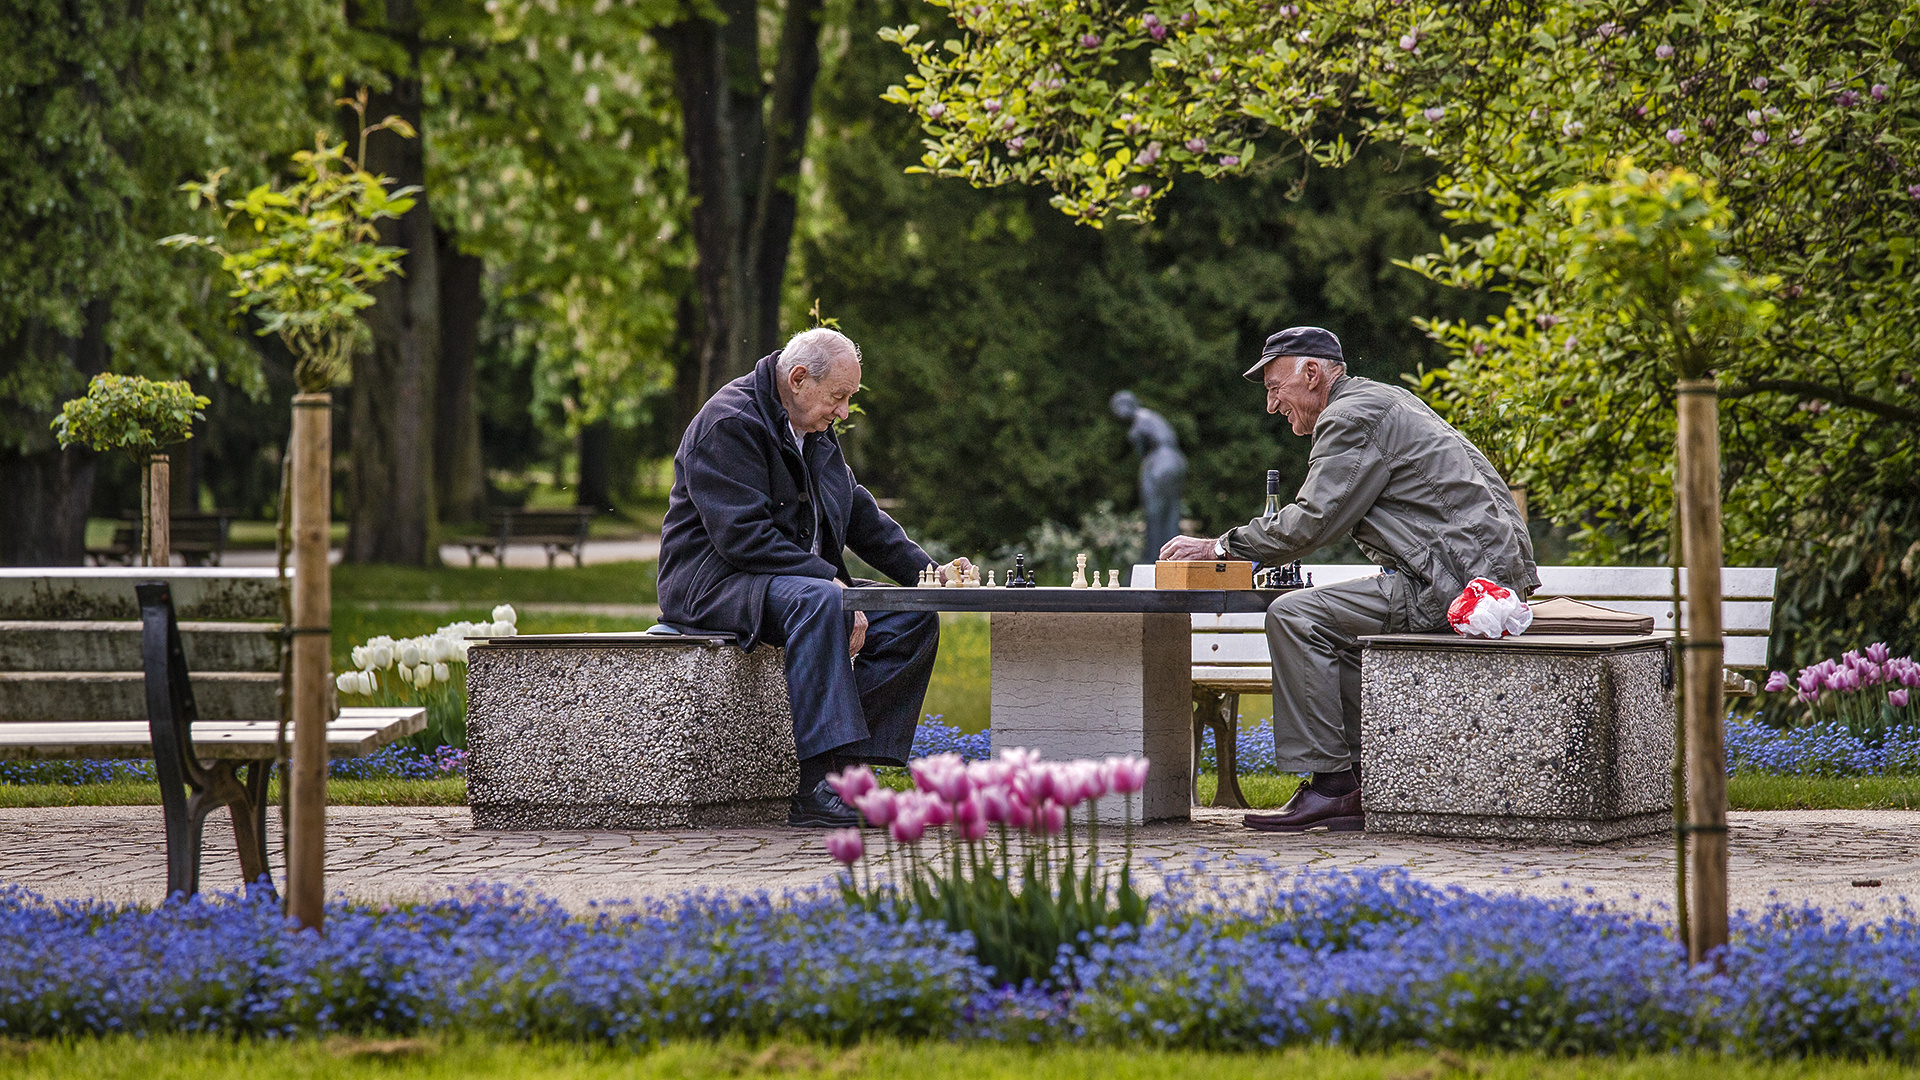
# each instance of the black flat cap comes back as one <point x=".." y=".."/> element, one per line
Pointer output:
<point x="1298" y="341"/>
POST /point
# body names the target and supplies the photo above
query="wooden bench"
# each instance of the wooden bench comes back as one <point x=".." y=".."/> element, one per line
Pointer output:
<point x="555" y="530"/>
<point x="1230" y="657"/>
<point x="199" y="539"/>
<point x="95" y="663"/>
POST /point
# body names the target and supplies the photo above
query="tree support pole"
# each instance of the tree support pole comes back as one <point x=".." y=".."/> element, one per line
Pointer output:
<point x="312" y="494"/>
<point x="1698" y="468"/>
<point x="156" y="500"/>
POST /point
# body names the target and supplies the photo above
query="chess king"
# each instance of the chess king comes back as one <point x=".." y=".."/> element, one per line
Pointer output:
<point x="762" y="509"/>
<point x="1419" y="500"/>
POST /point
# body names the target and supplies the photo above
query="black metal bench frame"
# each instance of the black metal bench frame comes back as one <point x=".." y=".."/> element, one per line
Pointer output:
<point x="190" y="790"/>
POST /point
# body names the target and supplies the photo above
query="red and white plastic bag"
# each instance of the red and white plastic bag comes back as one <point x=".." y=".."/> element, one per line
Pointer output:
<point x="1488" y="610"/>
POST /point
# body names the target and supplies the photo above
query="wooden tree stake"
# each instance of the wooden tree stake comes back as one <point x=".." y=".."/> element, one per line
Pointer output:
<point x="157" y="510"/>
<point x="313" y="703"/>
<point x="1698" y="468"/>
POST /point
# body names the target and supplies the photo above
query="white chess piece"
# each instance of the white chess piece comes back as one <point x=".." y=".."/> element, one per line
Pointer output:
<point x="990" y="583"/>
<point x="1113" y="579"/>
<point x="1079" y="572"/>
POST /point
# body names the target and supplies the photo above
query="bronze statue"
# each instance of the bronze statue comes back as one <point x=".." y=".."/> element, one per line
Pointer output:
<point x="1163" y="470"/>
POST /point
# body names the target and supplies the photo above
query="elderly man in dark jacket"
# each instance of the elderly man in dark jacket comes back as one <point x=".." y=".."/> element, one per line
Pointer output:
<point x="1418" y="499"/>
<point x="763" y="506"/>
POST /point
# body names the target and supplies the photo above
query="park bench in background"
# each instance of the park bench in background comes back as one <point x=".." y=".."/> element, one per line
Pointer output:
<point x="555" y="530"/>
<point x="183" y="665"/>
<point x="200" y="539"/>
<point x="1230" y="657"/>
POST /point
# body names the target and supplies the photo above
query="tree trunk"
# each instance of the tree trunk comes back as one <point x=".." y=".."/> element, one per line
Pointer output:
<point x="1698" y="475"/>
<point x="312" y="447"/>
<point x="394" y="514"/>
<point x="47" y="489"/>
<point x="456" y="452"/>
<point x="156" y="505"/>
<point x="744" y="145"/>
<point x="596" y="466"/>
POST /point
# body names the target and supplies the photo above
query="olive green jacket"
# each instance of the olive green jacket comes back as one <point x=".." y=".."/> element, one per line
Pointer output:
<point x="1419" y="499"/>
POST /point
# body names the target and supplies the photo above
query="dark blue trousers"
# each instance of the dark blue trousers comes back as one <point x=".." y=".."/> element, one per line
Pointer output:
<point x="866" y="708"/>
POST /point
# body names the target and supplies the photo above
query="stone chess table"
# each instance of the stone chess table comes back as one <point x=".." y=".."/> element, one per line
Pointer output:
<point x="1091" y="672"/>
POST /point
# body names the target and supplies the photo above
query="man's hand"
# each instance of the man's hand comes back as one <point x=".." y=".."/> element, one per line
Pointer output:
<point x="858" y="639"/>
<point x="959" y="566"/>
<point x="1188" y="548"/>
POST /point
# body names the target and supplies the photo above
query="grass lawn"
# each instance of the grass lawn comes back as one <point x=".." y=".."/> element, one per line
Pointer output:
<point x="339" y="793"/>
<point x="595" y="583"/>
<point x="210" y="1058"/>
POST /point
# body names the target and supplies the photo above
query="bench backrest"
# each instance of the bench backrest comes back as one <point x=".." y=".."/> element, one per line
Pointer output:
<point x="1746" y="608"/>
<point x="571" y="522"/>
<point x="70" y="640"/>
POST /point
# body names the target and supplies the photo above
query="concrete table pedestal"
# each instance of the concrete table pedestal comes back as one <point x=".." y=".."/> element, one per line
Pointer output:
<point x="1539" y="737"/>
<point x="626" y="731"/>
<point x="1086" y="685"/>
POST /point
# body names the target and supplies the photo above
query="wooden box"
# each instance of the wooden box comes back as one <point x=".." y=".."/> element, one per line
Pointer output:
<point x="1203" y="574"/>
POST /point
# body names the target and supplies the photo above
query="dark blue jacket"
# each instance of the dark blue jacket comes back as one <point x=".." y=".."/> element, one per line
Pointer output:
<point x="740" y="512"/>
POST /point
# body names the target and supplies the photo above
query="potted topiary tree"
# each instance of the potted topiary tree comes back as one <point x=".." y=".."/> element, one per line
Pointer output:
<point x="140" y="418"/>
<point x="302" y="258"/>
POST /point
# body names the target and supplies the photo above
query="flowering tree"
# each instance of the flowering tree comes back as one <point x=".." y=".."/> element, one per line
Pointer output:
<point x="1803" y="115"/>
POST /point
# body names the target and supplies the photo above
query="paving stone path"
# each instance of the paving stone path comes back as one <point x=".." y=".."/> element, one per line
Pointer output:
<point x="118" y="853"/>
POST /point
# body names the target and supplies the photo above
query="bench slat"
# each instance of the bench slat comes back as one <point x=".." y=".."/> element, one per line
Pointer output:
<point x="106" y="592"/>
<point x="355" y="733"/>
<point x="1649" y="582"/>
<point x="99" y="645"/>
<point x="83" y="696"/>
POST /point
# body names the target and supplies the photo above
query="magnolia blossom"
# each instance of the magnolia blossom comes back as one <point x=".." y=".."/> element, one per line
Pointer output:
<point x="1089" y="41"/>
<point x="1141" y="191"/>
<point x="1879" y="91"/>
<point x="1410" y="40"/>
<point x="1663" y="51"/>
<point x="1759" y="82"/>
<point x="1572" y="128"/>
<point x="1676" y="136"/>
<point x="1760" y="138"/>
<point x="992" y="105"/>
<point x="1229" y="159"/>
<point x="1434" y="113"/>
<point x="1197" y="146"/>
<point x="936" y="110"/>
<point x="1148" y="156"/>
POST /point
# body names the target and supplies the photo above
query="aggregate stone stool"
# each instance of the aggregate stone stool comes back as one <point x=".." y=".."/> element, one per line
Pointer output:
<point x="1537" y="737"/>
<point x="627" y="731"/>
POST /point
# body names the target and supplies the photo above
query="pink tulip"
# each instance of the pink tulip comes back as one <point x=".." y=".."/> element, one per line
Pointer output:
<point x="878" y="807"/>
<point x="909" y="826"/>
<point x="1849" y="658"/>
<point x="969" y="823"/>
<point x="1094" y="780"/>
<point x="853" y="783"/>
<point x="927" y="770"/>
<point x="1897" y="698"/>
<point x="1052" y="818"/>
<point x="937" y="812"/>
<point x="1878" y="652"/>
<point x="846" y="845"/>
<point x="1776" y="682"/>
<point x="1020" y="815"/>
<point x="1129" y="774"/>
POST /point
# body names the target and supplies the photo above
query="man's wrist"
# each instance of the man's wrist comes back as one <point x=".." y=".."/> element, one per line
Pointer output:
<point x="1220" y="546"/>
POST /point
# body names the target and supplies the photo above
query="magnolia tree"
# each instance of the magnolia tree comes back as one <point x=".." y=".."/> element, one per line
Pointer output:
<point x="140" y="418"/>
<point x="1804" y="116"/>
<point x="303" y="263"/>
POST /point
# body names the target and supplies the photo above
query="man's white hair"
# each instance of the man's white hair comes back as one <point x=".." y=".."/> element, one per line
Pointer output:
<point x="1300" y="363"/>
<point x="815" y="350"/>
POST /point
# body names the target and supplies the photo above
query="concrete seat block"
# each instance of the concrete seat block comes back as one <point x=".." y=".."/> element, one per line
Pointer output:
<point x="1557" y="746"/>
<point x="603" y="735"/>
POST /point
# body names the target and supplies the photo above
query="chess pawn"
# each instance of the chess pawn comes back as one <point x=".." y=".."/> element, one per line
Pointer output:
<point x="922" y="583"/>
<point x="990" y="583"/>
<point x="1113" y="579"/>
<point x="1079" y="572"/>
<point x="973" y="577"/>
<point x="1093" y="579"/>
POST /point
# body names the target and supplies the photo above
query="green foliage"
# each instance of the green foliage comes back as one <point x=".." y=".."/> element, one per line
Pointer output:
<point x="104" y="105"/>
<point x="307" y="276"/>
<point x="1805" y="118"/>
<point x="555" y="156"/>
<point x="130" y="414"/>
<point x="995" y="330"/>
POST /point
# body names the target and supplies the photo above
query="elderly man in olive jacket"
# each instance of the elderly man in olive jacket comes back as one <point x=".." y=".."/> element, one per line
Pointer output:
<point x="762" y="508"/>
<point x="1418" y="499"/>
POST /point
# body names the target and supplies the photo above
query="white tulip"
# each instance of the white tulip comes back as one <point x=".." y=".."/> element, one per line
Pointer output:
<point x="346" y="683"/>
<point x="381" y="655"/>
<point x="360" y="656"/>
<point x="368" y="684"/>
<point x="505" y="614"/>
<point x="500" y="629"/>
<point x="442" y="673"/>
<point x="409" y="654"/>
<point x="406" y="674"/>
<point x="423" y="675"/>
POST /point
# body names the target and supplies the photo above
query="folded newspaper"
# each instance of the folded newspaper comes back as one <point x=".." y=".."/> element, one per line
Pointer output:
<point x="1563" y="616"/>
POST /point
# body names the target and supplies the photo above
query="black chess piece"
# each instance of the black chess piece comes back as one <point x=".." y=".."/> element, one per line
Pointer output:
<point x="1020" y="577"/>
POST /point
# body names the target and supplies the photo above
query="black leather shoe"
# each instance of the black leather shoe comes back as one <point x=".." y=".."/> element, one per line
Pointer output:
<point x="1308" y="809"/>
<point x="821" y="808"/>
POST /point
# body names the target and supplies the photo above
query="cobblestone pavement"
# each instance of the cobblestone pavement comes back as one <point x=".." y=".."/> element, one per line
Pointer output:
<point x="118" y="853"/>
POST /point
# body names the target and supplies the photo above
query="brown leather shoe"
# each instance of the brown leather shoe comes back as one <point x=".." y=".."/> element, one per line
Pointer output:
<point x="1308" y="809"/>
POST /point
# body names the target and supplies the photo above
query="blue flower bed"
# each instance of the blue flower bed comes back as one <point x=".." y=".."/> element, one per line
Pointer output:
<point x="1826" y="748"/>
<point x="396" y="762"/>
<point x="1366" y="960"/>
<point x="936" y="736"/>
